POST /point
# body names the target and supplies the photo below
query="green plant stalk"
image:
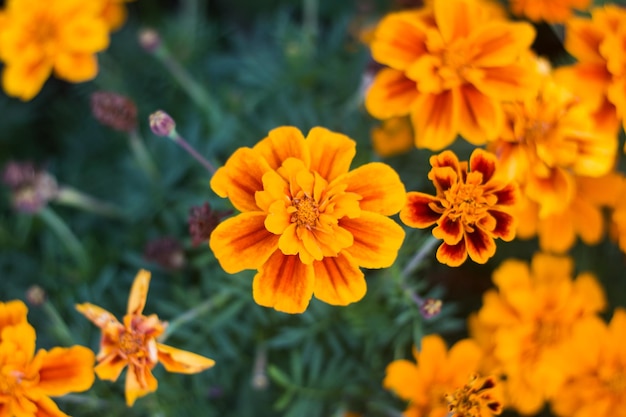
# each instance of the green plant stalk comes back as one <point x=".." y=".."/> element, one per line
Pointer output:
<point x="419" y="256"/>
<point x="72" y="197"/>
<point x="141" y="155"/>
<point x="193" y="313"/>
<point x="71" y="242"/>
<point x="59" y="327"/>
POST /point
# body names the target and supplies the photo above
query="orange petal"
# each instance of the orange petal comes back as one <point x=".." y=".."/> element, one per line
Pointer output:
<point x="391" y="94"/>
<point x="240" y="178"/>
<point x="435" y="118"/>
<point x="553" y="193"/>
<point x="483" y="162"/>
<point x="139" y="292"/>
<point x="331" y="153"/>
<point x="139" y="382"/>
<point x="76" y="67"/>
<point x="22" y="336"/>
<point x="45" y="408"/>
<point x="400" y="39"/>
<point x="338" y="280"/>
<point x="417" y="212"/>
<point x="284" y="283"/>
<point x="377" y="240"/>
<point x="401" y="376"/>
<point x="449" y="230"/>
<point x="507" y="196"/>
<point x="588" y="221"/>
<point x="25" y="79"/>
<point x="12" y="313"/>
<point x="501" y="43"/>
<point x="583" y="40"/>
<point x="480" y="117"/>
<point x="480" y="245"/>
<point x="66" y="370"/>
<point x="463" y="359"/>
<point x="556" y="232"/>
<point x="452" y="255"/>
<point x="282" y="143"/>
<point x="443" y="178"/>
<point x="110" y="368"/>
<point x="505" y="225"/>
<point x="97" y="315"/>
<point x="379" y="186"/>
<point x="432" y="358"/>
<point x="181" y="361"/>
<point x="508" y="83"/>
<point x="84" y="34"/>
<point x="243" y="242"/>
<point x="454" y="18"/>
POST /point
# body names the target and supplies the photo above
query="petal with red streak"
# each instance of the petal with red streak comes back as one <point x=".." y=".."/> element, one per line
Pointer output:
<point x="65" y="370"/>
<point x="452" y="255"/>
<point x="435" y="118"/>
<point x="400" y="39"/>
<point x="379" y="186"/>
<point x="139" y="382"/>
<point x="331" y="153"/>
<point x="282" y="143"/>
<point x="481" y="118"/>
<point x="418" y="212"/>
<point x="480" y="245"/>
<point x="391" y="94"/>
<point x="449" y="230"/>
<point x="505" y="225"/>
<point x="483" y="162"/>
<point x="338" y="280"/>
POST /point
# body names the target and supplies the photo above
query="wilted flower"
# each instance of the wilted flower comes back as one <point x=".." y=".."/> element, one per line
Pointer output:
<point x="31" y="188"/>
<point x="202" y="221"/>
<point x="114" y="110"/>
<point x="133" y="343"/>
<point x="165" y="251"/>
<point x="307" y="223"/>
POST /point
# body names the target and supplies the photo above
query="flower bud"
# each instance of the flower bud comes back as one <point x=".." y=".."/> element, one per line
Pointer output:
<point x="162" y="124"/>
<point x="149" y="39"/>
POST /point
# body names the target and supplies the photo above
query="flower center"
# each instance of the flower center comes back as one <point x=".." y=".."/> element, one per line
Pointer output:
<point x="465" y="202"/>
<point x="131" y="343"/>
<point x="307" y="211"/>
<point x="469" y="400"/>
<point x="10" y="380"/>
<point x="454" y="66"/>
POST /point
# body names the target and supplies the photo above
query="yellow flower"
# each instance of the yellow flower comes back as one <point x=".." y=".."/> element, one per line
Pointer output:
<point x="551" y="11"/>
<point x="597" y="387"/>
<point x="115" y="13"/>
<point x="526" y="325"/>
<point x="450" y="67"/>
<point x="548" y="139"/>
<point x="599" y="46"/>
<point x="471" y="209"/>
<point x="28" y="380"/>
<point x="438" y="379"/>
<point x="133" y="343"/>
<point x="307" y="222"/>
<point x="41" y="37"/>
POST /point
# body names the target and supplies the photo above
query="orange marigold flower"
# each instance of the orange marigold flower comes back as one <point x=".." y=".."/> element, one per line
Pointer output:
<point x="525" y="325"/>
<point x="548" y="139"/>
<point x="471" y="209"/>
<point x="41" y="37"/>
<point x="599" y="46"/>
<point x="551" y="11"/>
<point x="307" y="222"/>
<point x="394" y="136"/>
<point x="450" y="67"/>
<point x="431" y="381"/>
<point x="29" y="379"/>
<point x="597" y="387"/>
<point x="133" y="343"/>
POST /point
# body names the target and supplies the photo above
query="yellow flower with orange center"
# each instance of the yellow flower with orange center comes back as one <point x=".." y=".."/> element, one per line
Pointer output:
<point x="42" y="37"/>
<point x="597" y="386"/>
<point x="525" y="325"/>
<point x="471" y="208"/>
<point x="133" y="343"/>
<point x="450" y="67"/>
<point x="549" y="139"/>
<point x="307" y="223"/>
<point x="550" y="11"/>
<point x="436" y="383"/>
<point x="29" y="379"/>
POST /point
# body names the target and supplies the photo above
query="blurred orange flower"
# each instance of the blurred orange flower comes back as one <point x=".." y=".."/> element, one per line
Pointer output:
<point x="394" y="136"/>
<point x="28" y="380"/>
<point x="597" y="387"/>
<point x="41" y="37"/>
<point x="437" y="379"/>
<point x="308" y="223"/>
<point x="450" y="66"/>
<point x="525" y="326"/>
<point x="133" y="343"/>
<point x="552" y="11"/>
<point x="471" y="209"/>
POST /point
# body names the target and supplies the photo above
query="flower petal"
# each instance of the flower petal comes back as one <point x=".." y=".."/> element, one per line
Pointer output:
<point x="65" y="370"/>
<point x="97" y="315"/>
<point x="139" y="382"/>
<point x="331" y="153"/>
<point x="450" y="231"/>
<point x="76" y="67"/>
<point x="583" y="40"/>
<point x="501" y="43"/>
<point x="46" y="408"/>
<point x="243" y="242"/>
<point x="400" y="39"/>
<point x="452" y="255"/>
<point x="391" y="94"/>
<point x="110" y="367"/>
<point x="284" y="283"/>
<point x="418" y="212"/>
<point x="377" y="239"/>
<point x="22" y="336"/>
<point x="556" y="232"/>
<point x="435" y="119"/>
<point x="338" y="280"/>
<point x="84" y="34"/>
<point x="480" y="245"/>
<point x="282" y="143"/>
<point x="12" y="313"/>
<point x="505" y="225"/>
<point x="25" y="79"/>
<point x="379" y="186"/>
<point x="454" y="18"/>
<point x="181" y="361"/>
<point x="240" y="178"/>
<point x="483" y="162"/>
<point x="401" y="376"/>
<point x="481" y="118"/>
<point x="139" y="292"/>
<point x="512" y="82"/>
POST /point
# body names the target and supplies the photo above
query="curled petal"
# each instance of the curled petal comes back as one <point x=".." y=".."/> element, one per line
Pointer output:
<point x="483" y="162"/>
<point x="338" y="280"/>
<point x="97" y="315"/>
<point x="282" y="143"/>
<point x="12" y="313"/>
<point x="451" y="231"/>
<point x="377" y="239"/>
<point x="139" y="382"/>
<point x="65" y="370"/>
<point x="243" y="242"/>
<point x="386" y="195"/>
<point x="505" y="225"/>
<point x="480" y="245"/>
<point x="181" y="361"/>
<point x="284" y="283"/>
<point x="452" y="255"/>
<point x="110" y="367"/>
<point x="507" y="196"/>
<point x="583" y="40"/>
<point x="391" y="94"/>
<point x="418" y="212"/>
<point x="240" y="178"/>
<point x="331" y="153"/>
<point x="443" y="178"/>
<point x="139" y="292"/>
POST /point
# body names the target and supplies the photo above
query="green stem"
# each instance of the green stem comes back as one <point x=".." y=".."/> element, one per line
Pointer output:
<point x="195" y="312"/>
<point x="416" y="261"/>
<point x="72" y="197"/>
<point x="310" y="18"/>
<point x="84" y="400"/>
<point x="71" y="242"/>
<point x="141" y="155"/>
<point x="59" y="327"/>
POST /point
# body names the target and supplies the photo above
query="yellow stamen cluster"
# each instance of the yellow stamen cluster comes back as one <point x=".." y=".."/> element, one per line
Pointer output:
<point x="474" y="399"/>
